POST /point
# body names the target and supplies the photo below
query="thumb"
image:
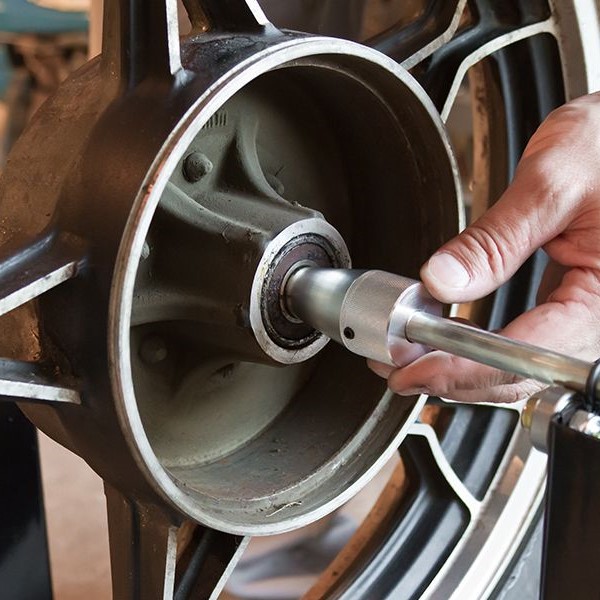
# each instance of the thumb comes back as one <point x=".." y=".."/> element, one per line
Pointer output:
<point x="490" y="251"/>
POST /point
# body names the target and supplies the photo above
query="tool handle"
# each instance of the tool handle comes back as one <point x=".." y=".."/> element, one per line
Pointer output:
<point x="497" y="351"/>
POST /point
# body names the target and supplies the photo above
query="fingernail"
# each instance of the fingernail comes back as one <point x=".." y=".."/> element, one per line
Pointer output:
<point x="447" y="270"/>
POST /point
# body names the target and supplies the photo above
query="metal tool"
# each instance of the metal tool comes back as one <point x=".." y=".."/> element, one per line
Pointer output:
<point x="394" y="320"/>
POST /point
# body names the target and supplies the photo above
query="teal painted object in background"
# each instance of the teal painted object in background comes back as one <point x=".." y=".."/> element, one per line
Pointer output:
<point x="20" y="16"/>
<point x="4" y="70"/>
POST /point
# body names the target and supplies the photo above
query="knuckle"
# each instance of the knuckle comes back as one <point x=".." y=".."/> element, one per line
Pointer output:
<point x="486" y="249"/>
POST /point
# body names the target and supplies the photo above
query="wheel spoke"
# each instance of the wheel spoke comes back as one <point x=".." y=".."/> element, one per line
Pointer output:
<point x="37" y="269"/>
<point x="427" y="433"/>
<point x="454" y="37"/>
<point x="140" y="39"/>
<point x="474" y="440"/>
<point x="504" y="515"/>
<point x="434" y="512"/>
<point x="33" y="382"/>
<point x="143" y="549"/>
<point x="232" y="15"/>
<point x="211" y="561"/>
<point x="144" y="554"/>
<point x="493" y="27"/>
<point x="410" y="44"/>
<point x="444" y="98"/>
<point x="513" y="406"/>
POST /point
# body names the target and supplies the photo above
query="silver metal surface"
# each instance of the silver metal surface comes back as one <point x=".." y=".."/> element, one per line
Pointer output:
<point x="316" y="296"/>
<point x="540" y="411"/>
<point x="366" y="311"/>
<point x="27" y="274"/>
<point x="499" y="352"/>
<point x="393" y="319"/>
<point x="377" y="309"/>
<point x="585" y="422"/>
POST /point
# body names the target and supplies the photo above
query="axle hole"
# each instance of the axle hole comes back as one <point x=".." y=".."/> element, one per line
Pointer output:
<point x="349" y="333"/>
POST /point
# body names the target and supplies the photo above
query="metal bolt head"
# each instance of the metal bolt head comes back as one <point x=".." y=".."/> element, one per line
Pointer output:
<point x="153" y="350"/>
<point x="196" y="166"/>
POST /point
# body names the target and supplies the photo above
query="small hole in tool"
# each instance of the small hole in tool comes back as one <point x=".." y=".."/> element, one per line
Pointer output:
<point x="349" y="333"/>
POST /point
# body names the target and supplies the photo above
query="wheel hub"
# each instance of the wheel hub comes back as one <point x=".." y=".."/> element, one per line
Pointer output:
<point x="248" y="167"/>
<point x="284" y="164"/>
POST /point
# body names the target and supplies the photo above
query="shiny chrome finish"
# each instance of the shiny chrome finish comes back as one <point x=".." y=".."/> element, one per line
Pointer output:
<point x="541" y="409"/>
<point x="316" y="296"/>
<point x="499" y="352"/>
<point x="394" y="320"/>
<point x="586" y="422"/>
<point x="366" y="311"/>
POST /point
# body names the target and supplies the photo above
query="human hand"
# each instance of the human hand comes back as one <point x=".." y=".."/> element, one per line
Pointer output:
<point x="553" y="203"/>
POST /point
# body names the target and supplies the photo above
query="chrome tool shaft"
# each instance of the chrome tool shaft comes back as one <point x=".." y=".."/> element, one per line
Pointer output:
<point x="497" y="351"/>
<point x="394" y="320"/>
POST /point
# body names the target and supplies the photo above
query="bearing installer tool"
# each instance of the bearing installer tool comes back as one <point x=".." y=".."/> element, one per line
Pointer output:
<point x="394" y="320"/>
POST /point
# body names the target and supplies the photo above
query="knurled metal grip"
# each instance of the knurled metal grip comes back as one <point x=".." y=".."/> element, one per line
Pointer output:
<point x="375" y="312"/>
